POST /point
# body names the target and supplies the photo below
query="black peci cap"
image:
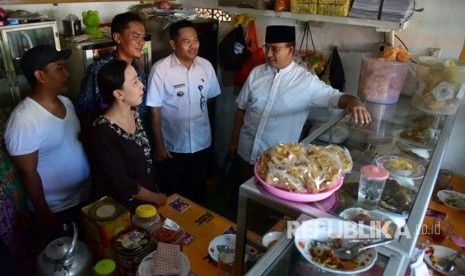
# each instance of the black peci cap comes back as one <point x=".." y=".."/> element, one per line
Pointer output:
<point x="39" y="56"/>
<point x="280" y="33"/>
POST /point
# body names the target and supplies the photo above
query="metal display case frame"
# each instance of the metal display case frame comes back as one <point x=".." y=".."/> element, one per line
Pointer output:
<point x="398" y="252"/>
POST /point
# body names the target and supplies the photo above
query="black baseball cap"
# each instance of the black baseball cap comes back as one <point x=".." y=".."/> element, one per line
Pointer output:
<point x="38" y="57"/>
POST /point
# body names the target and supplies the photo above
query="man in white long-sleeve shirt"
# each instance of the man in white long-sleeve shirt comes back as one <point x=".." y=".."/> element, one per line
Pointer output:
<point x="275" y="100"/>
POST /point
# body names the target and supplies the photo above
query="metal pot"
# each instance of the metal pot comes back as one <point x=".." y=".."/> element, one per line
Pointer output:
<point x="65" y="256"/>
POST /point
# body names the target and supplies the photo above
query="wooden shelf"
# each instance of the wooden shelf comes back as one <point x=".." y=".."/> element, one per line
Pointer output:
<point x="54" y="2"/>
<point x="381" y="26"/>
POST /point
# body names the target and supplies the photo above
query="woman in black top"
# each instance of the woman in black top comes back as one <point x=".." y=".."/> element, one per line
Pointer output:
<point x="122" y="149"/>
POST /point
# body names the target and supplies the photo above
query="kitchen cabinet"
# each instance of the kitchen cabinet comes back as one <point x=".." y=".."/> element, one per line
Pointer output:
<point x="15" y="40"/>
<point x="366" y="143"/>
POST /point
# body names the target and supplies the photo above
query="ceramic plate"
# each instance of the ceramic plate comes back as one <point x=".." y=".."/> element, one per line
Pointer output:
<point x="401" y="167"/>
<point x="440" y="252"/>
<point x="452" y="199"/>
<point x="427" y="140"/>
<point x="297" y="196"/>
<point x="148" y="263"/>
<point x="412" y="150"/>
<point x="374" y="217"/>
<point x="322" y="229"/>
<point x="270" y="238"/>
<point x="226" y="239"/>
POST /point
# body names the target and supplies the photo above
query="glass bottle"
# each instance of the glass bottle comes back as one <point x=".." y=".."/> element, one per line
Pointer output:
<point x="251" y="258"/>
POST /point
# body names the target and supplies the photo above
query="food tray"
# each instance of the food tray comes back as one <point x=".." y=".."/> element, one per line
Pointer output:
<point x="298" y="196"/>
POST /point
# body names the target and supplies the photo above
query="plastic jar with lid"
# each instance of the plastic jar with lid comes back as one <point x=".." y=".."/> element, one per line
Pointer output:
<point x="146" y="217"/>
<point x="105" y="267"/>
<point x="132" y="246"/>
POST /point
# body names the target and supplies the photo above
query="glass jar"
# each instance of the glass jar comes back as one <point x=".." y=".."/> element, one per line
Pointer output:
<point x="146" y="217"/>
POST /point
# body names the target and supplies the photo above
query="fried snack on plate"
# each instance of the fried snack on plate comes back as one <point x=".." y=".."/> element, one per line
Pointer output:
<point x="300" y="168"/>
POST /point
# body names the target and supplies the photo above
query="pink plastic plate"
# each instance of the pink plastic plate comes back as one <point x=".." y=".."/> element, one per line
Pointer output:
<point x="458" y="240"/>
<point x="297" y="196"/>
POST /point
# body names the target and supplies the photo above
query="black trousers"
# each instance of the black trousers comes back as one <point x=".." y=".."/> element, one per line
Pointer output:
<point x="186" y="174"/>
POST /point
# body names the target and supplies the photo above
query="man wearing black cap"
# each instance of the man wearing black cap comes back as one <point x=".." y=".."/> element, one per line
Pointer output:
<point x="41" y="136"/>
<point x="275" y="100"/>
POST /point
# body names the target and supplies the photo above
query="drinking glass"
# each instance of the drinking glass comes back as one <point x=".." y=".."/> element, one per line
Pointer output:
<point x="371" y="186"/>
<point x="440" y="229"/>
<point x="226" y="263"/>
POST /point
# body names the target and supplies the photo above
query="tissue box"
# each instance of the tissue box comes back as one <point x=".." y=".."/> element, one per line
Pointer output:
<point x="103" y="220"/>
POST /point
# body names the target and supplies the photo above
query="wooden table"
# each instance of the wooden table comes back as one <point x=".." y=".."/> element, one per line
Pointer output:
<point x="202" y="224"/>
<point x="455" y="216"/>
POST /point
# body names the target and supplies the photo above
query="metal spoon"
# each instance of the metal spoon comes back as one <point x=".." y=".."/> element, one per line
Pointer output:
<point x="448" y="265"/>
<point x="352" y="252"/>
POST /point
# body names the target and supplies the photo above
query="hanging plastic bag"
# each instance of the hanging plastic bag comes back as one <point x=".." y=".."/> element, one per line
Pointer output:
<point x="233" y="50"/>
<point x="257" y="58"/>
<point x="334" y="73"/>
<point x="312" y="60"/>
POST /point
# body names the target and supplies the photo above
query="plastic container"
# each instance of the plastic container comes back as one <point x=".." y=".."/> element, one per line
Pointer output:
<point x="132" y="246"/>
<point x="370" y="189"/>
<point x="105" y="267"/>
<point x="440" y="85"/>
<point x="170" y="232"/>
<point x="381" y="81"/>
<point x="146" y="217"/>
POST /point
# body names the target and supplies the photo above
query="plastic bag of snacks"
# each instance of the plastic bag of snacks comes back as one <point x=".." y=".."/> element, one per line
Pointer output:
<point x="282" y="5"/>
<point x="324" y="7"/>
<point x="303" y="168"/>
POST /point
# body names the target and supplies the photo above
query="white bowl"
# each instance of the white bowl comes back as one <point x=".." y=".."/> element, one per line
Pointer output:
<point x="322" y="229"/>
<point x="269" y="238"/>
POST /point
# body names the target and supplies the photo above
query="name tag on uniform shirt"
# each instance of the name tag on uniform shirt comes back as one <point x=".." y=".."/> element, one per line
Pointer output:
<point x="177" y="86"/>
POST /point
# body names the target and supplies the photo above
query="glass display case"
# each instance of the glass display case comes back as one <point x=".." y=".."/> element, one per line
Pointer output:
<point x="14" y="41"/>
<point x="394" y="132"/>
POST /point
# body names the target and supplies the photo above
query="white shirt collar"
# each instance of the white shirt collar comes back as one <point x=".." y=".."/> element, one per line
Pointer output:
<point x="284" y="70"/>
<point x="175" y="61"/>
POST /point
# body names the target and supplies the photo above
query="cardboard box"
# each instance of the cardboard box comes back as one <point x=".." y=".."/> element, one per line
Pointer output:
<point x="103" y="220"/>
